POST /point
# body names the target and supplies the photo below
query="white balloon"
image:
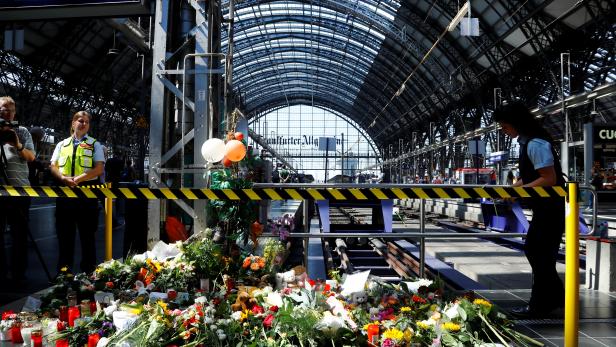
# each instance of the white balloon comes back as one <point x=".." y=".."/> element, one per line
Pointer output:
<point x="213" y="150"/>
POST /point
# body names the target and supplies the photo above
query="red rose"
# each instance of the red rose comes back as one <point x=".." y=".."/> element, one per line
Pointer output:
<point x="109" y="285"/>
<point x="267" y="322"/>
<point x="216" y="301"/>
<point x="327" y="287"/>
<point x="274" y="308"/>
<point x="256" y="309"/>
<point x="312" y="282"/>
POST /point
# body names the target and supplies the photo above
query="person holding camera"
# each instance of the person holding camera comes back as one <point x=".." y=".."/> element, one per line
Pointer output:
<point x="16" y="151"/>
<point x="77" y="160"/>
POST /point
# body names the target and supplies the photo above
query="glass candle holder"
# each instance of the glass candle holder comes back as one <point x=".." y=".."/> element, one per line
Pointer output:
<point x="37" y="337"/>
<point x="16" y="333"/>
<point x="93" y="339"/>
<point x="63" y="313"/>
<point x="373" y="335"/>
<point x="73" y="313"/>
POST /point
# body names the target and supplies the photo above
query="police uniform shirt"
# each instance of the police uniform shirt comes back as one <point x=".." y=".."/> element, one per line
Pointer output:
<point x="99" y="156"/>
<point x="17" y="167"/>
<point x="539" y="152"/>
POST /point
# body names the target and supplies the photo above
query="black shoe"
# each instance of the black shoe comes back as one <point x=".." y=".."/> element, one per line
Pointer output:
<point x="526" y="312"/>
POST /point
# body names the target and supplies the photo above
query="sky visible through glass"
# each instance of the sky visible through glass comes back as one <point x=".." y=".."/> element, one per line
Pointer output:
<point x="294" y="133"/>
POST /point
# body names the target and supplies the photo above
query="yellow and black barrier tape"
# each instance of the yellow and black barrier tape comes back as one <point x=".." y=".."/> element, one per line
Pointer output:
<point x="256" y="194"/>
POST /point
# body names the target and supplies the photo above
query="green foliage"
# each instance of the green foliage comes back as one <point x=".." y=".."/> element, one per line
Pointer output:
<point x="206" y="257"/>
<point x="234" y="217"/>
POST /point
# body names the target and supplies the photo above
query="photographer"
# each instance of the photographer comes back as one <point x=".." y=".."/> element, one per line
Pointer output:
<point x="17" y="150"/>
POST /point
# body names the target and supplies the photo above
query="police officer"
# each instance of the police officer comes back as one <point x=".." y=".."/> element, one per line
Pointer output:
<point x="539" y="167"/>
<point x="77" y="160"/>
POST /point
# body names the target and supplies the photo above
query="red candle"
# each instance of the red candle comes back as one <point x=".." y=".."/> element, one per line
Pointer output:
<point x="16" y="333"/>
<point x="64" y="313"/>
<point x="62" y="343"/>
<point x="93" y="339"/>
<point x="73" y="312"/>
<point x="37" y="341"/>
<point x="93" y="307"/>
<point x="373" y="335"/>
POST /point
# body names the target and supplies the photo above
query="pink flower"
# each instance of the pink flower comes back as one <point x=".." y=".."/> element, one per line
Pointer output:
<point x="388" y="343"/>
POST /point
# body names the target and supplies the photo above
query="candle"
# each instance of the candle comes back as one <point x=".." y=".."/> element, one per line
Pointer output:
<point x="93" y="339"/>
<point x="37" y="338"/>
<point x="16" y="333"/>
<point x="93" y="308"/>
<point x="64" y="313"/>
<point x="373" y="335"/>
<point x="62" y="343"/>
<point x="73" y="312"/>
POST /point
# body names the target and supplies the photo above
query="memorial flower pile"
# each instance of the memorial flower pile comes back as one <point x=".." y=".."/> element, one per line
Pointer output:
<point x="154" y="300"/>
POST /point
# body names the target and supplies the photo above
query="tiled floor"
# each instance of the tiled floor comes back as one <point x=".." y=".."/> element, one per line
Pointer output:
<point x="597" y="325"/>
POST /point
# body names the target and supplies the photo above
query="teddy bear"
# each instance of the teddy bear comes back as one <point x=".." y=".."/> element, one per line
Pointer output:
<point x="243" y="301"/>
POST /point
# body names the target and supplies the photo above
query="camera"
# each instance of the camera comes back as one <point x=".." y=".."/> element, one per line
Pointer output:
<point x="8" y="135"/>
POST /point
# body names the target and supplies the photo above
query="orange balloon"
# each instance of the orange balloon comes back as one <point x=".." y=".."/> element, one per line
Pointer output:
<point x="235" y="150"/>
<point x="226" y="162"/>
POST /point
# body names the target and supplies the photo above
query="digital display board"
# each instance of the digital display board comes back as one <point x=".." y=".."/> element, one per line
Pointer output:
<point x="21" y="10"/>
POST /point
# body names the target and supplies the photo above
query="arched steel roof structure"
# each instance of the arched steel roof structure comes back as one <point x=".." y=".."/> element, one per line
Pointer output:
<point x="353" y="56"/>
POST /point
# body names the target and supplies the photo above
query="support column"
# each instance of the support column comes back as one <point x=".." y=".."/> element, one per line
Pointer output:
<point x="157" y="113"/>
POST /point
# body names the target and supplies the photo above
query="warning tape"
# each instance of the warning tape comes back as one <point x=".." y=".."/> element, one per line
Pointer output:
<point x="256" y="194"/>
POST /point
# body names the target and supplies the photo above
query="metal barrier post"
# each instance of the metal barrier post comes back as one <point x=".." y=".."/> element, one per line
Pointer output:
<point x="306" y="230"/>
<point x="422" y="240"/>
<point x="108" y="226"/>
<point x="572" y="271"/>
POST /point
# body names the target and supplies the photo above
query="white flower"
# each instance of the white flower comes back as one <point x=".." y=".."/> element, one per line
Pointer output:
<point x="102" y="342"/>
<point x="274" y="299"/>
<point x="222" y="337"/>
<point x="236" y="315"/>
<point x="139" y="258"/>
<point x="452" y="312"/>
<point x="214" y="327"/>
<point x="208" y="320"/>
<point x="329" y="324"/>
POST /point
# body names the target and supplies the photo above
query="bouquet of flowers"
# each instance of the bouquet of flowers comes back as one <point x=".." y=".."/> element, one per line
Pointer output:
<point x="206" y="257"/>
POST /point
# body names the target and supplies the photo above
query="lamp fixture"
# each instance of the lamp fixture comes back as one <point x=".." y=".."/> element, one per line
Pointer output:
<point x="456" y="20"/>
<point x="113" y="50"/>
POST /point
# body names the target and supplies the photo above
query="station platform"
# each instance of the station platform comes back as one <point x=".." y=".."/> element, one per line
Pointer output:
<point x="506" y="274"/>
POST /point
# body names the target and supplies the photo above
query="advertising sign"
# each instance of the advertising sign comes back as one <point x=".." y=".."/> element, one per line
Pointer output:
<point x="604" y="134"/>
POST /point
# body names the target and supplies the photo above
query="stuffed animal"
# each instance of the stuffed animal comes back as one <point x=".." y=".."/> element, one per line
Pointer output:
<point x="284" y="279"/>
<point x="243" y="301"/>
<point x="359" y="298"/>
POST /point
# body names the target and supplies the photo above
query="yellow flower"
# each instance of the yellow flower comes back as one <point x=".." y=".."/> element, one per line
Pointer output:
<point x="405" y="309"/>
<point x="408" y="334"/>
<point x="449" y="326"/>
<point x="482" y="302"/>
<point x="393" y="334"/>
<point x="64" y="269"/>
<point x="162" y="305"/>
<point x="423" y="325"/>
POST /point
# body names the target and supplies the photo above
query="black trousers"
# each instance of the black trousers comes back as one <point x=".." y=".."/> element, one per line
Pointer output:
<point x="541" y="248"/>
<point x="15" y="212"/>
<point x="81" y="214"/>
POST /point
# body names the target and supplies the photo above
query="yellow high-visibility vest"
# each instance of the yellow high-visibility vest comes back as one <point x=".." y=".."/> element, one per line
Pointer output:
<point x="75" y="160"/>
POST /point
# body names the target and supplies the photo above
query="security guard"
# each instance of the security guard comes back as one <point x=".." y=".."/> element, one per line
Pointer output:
<point x="77" y="160"/>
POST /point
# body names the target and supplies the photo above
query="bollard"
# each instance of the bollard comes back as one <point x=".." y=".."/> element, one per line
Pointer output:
<point x="572" y="270"/>
<point x="108" y="226"/>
